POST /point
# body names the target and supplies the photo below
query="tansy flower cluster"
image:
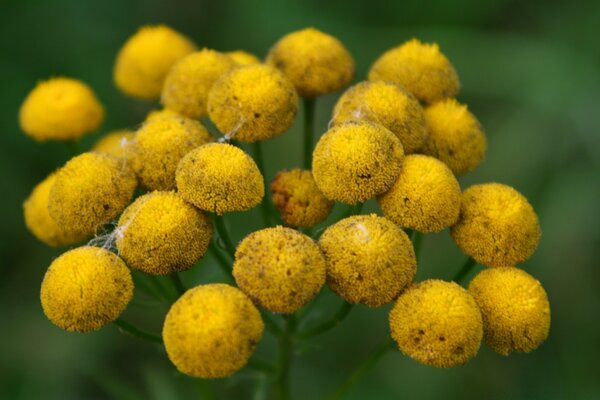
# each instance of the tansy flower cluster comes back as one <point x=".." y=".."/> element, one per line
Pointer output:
<point x="152" y="200"/>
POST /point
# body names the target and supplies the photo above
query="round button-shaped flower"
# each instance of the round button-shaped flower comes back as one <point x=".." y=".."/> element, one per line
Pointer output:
<point x="356" y="161"/>
<point x="425" y="197"/>
<point x="187" y="85"/>
<point x="85" y="289"/>
<point x="497" y="225"/>
<point x="60" y="109"/>
<point x="280" y="268"/>
<point x="437" y="323"/>
<point x="387" y="104"/>
<point x="162" y="113"/>
<point x="369" y="259"/>
<point x="514" y="307"/>
<point x="455" y="136"/>
<point x="243" y="58"/>
<point x="315" y="62"/>
<point x="220" y="178"/>
<point x="251" y="103"/>
<point x="211" y="331"/>
<point x="145" y="59"/>
<point x="116" y="144"/>
<point x="160" y="233"/>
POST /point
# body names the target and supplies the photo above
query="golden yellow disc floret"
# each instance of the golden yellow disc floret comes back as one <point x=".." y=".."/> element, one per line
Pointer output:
<point x="162" y="113"/>
<point x="160" y="233"/>
<point x="145" y="59"/>
<point x="60" y="109"/>
<point x="38" y="220"/>
<point x="497" y="225"/>
<point x="189" y="81"/>
<point x="425" y="197"/>
<point x="437" y="323"/>
<point x="89" y="191"/>
<point x="455" y="136"/>
<point x="85" y="289"/>
<point x="298" y="199"/>
<point x="369" y="259"/>
<point x="419" y="67"/>
<point x="514" y="307"/>
<point x="315" y="62"/>
<point x="251" y="103"/>
<point x="387" y="104"/>
<point x="212" y="331"/>
<point x="160" y="144"/>
<point x="116" y="144"/>
<point x="242" y="57"/>
<point x="280" y="268"/>
<point x="220" y="178"/>
<point x="356" y="161"/>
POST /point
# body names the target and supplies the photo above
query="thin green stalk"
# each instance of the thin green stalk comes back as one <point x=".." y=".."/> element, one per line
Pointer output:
<point x="306" y="310"/>
<point x="464" y="271"/>
<point x="132" y="330"/>
<point x="221" y="260"/>
<point x="177" y="283"/>
<point x="309" y="131"/>
<point x="282" y="383"/>
<point x="270" y="323"/>
<point x="338" y="317"/>
<point x="159" y="287"/>
<point x="264" y="205"/>
<point x="224" y="235"/>
<point x="362" y="369"/>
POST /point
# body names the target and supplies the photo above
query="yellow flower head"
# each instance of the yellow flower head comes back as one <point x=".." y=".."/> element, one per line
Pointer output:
<point x="419" y="67"/>
<point x="162" y="113"/>
<point x="211" y="331"/>
<point x="280" y="268"/>
<point x="85" y="289"/>
<point x="497" y="225"/>
<point x="60" y="109"/>
<point x="189" y="81"/>
<point x="315" y="62"/>
<point x="298" y="199"/>
<point x="116" y="144"/>
<point x="38" y="220"/>
<point x="356" y="161"/>
<point x="243" y="58"/>
<point x="455" y="136"/>
<point x="514" y="307"/>
<point x="425" y="197"/>
<point x="145" y="59"/>
<point x="251" y="103"/>
<point x="220" y="178"/>
<point x="159" y="146"/>
<point x="437" y="323"/>
<point x="89" y="191"/>
<point x="369" y="259"/>
<point x="160" y="233"/>
<point x="387" y="104"/>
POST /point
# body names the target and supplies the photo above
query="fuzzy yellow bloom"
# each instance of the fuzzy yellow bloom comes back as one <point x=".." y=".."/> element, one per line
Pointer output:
<point x="220" y="178"/>
<point x="160" y="144"/>
<point x="514" y="307"/>
<point x="455" y="136"/>
<point x="315" y="62"/>
<point x="425" y="197"/>
<point x="145" y="59"/>
<point x="162" y="113"/>
<point x="356" y="161"/>
<point x="242" y="57"/>
<point x="60" y="109"/>
<point x="280" y="268"/>
<point x="437" y="323"/>
<point x="369" y="259"/>
<point x="419" y="67"/>
<point x="251" y="103"/>
<point x="189" y="81"/>
<point x="38" y="220"/>
<point x="212" y="331"/>
<point x="85" y="289"/>
<point x="116" y="144"/>
<point x="387" y="104"/>
<point x="89" y="191"/>
<point x="160" y="233"/>
<point x="298" y="199"/>
<point x="497" y="225"/>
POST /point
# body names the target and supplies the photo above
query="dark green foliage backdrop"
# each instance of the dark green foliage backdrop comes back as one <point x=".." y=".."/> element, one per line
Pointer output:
<point x="530" y="72"/>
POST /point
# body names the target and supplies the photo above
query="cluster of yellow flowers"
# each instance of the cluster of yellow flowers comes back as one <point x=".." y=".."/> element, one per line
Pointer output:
<point x="399" y="137"/>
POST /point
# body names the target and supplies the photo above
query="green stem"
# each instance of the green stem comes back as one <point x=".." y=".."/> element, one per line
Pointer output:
<point x="270" y="323"/>
<point x="362" y="369"/>
<point x="261" y="365"/>
<point x="282" y="383"/>
<point x="159" y="287"/>
<point x="306" y="310"/>
<point x="178" y="283"/>
<point x="464" y="271"/>
<point x="132" y="330"/>
<point x="338" y="317"/>
<point x="264" y="205"/>
<point x="224" y="235"/>
<point x="221" y="260"/>
<point x="417" y="239"/>
<point x="309" y="127"/>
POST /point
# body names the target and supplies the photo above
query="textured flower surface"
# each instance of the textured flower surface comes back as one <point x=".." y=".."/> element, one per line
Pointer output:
<point x="242" y="57"/>
<point x="116" y="143"/>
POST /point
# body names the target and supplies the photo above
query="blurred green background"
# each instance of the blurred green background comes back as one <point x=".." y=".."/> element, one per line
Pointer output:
<point x="531" y="74"/>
